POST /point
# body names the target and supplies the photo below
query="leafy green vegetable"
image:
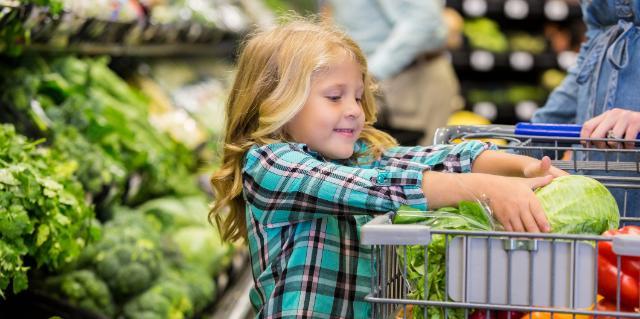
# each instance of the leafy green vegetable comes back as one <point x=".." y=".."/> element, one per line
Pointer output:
<point x="578" y="204"/>
<point x="485" y="34"/>
<point x="468" y="216"/>
<point x="185" y="221"/>
<point x="200" y="286"/>
<point x="167" y="299"/>
<point x="46" y="97"/>
<point x="128" y="258"/>
<point x="177" y="212"/>
<point x="203" y="246"/>
<point x="43" y="213"/>
<point x="82" y="288"/>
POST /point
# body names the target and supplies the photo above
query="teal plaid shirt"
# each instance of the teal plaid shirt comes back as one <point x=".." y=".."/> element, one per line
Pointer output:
<point x="304" y="215"/>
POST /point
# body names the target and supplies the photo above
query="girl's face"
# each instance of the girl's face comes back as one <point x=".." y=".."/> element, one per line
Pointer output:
<point x="332" y="118"/>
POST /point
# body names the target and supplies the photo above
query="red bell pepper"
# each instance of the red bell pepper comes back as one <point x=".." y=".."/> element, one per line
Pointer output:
<point x="629" y="270"/>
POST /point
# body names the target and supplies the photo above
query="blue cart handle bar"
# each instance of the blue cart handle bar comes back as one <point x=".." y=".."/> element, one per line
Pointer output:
<point x="551" y="130"/>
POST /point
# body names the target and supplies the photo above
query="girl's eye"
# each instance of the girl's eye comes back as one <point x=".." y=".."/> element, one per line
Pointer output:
<point x="334" y="98"/>
<point x="359" y="100"/>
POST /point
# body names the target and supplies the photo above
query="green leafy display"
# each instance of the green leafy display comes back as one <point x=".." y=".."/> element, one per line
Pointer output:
<point x="110" y="124"/>
<point x="43" y="214"/>
<point x="83" y="289"/>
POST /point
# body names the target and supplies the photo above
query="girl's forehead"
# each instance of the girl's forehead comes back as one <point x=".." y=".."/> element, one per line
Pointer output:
<point x="338" y="61"/>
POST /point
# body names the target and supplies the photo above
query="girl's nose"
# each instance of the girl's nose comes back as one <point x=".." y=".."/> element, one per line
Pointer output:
<point x="354" y="110"/>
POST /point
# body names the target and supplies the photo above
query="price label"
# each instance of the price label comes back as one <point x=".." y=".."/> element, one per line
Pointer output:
<point x="525" y="110"/>
<point x="482" y="60"/>
<point x="474" y="8"/>
<point x="487" y="110"/>
<point x="521" y="61"/>
<point x="556" y="10"/>
<point x="516" y="9"/>
<point x="567" y="59"/>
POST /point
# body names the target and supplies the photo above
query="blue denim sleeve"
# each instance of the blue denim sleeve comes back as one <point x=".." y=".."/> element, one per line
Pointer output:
<point x="421" y="29"/>
<point x="562" y="104"/>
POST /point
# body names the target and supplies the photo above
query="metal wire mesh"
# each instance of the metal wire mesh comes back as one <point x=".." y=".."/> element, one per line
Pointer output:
<point x="566" y="258"/>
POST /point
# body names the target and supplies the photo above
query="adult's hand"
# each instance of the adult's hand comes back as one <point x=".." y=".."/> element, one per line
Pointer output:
<point x="615" y="123"/>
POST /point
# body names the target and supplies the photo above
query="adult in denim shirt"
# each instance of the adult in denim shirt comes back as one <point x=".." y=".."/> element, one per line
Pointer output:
<point x="601" y="90"/>
<point x="403" y="41"/>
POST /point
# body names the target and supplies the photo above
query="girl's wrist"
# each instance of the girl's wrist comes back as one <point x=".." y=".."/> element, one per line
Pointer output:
<point x="473" y="185"/>
<point x="448" y="189"/>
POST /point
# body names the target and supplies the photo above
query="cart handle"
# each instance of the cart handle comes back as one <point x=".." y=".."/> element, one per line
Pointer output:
<point x="380" y="231"/>
<point x="444" y="134"/>
<point x="551" y="130"/>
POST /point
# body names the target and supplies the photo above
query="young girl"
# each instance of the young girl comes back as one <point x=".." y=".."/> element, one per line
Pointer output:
<point x="304" y="169"/>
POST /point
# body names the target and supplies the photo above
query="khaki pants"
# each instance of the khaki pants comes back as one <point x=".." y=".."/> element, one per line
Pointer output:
<point x="422" y="97"/>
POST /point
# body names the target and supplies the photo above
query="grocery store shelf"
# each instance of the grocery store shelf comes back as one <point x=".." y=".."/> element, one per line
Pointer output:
<point x="517" y="61"/>
<point x="225" y="48"/>
<point x="66" y="32"/>
<point x="551" y="10"/>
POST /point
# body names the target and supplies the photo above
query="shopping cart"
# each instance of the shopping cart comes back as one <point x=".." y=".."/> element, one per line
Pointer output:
<point x="507" y="271"/>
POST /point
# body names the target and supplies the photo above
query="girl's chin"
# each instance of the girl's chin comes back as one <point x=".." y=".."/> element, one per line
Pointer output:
<point x="339" y="154"/>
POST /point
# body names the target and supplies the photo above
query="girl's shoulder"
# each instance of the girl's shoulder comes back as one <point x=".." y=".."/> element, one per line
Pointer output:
<point x="289" y="150"/>
<point x="261" y="150"/>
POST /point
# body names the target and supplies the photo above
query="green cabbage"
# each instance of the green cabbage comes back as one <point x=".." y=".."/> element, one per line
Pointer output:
<point x="578" y="204"/>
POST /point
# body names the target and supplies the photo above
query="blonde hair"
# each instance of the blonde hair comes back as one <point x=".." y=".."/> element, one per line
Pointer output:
<point x="272" y="84"/>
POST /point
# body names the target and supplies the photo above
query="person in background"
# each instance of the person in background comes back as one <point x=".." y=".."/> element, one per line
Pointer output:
<point x="303" y="169"/>
<point x="404" y="41"/>
<point x="601" y="90"/>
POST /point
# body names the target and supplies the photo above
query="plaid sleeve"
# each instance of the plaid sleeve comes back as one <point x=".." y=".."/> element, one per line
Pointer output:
<point x="285" y="184"/>
<point x="456" y="158"/>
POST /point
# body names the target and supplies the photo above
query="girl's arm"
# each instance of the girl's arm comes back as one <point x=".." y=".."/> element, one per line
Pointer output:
<point x="284" y="183"/>
<point x="505" y="164"/>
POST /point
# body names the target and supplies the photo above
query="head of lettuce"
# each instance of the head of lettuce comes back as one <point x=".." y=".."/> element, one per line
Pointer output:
<point x="576" y="204"/>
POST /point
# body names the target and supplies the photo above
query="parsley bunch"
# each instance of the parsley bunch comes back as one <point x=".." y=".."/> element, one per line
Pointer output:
<point x="44" y="219"/>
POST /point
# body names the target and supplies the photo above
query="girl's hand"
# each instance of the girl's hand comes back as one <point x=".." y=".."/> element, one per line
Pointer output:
<point x="614" y="123"/>
<point x="511" y="199"/>
<point x="513" y="202"/>
<point x="542" y="167"/>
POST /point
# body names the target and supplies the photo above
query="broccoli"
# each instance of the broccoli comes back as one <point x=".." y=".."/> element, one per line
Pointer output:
<point x="200" y="285"/>
<point x="127" y="258"/>
<point x="168" y="299"/>
<point x="82" y="288"/>
<point x="127" y="267"/>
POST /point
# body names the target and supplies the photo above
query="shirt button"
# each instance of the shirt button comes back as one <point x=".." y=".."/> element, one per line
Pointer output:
<point x="382" y="179"/>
